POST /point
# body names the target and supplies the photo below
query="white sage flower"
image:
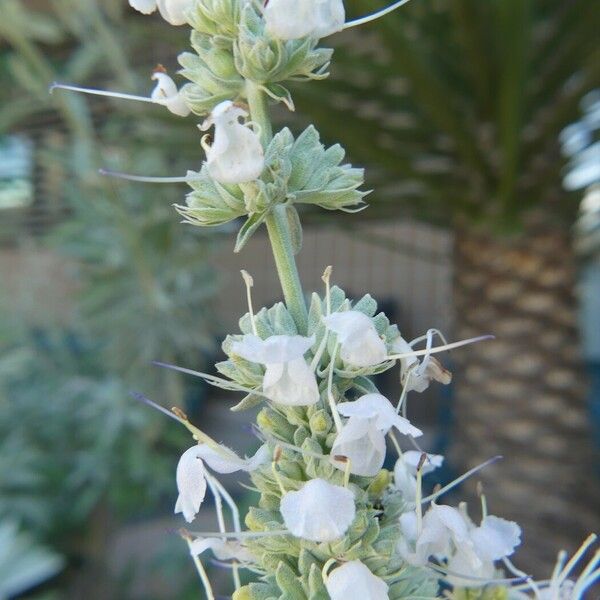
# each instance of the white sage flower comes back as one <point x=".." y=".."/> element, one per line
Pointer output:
<point x="222" y="549"/>
<point x="405" y="471"/>
<point x="415" y="374"/>
<point x="167" y="94"/>
<point x="288" y="378"/>
<point x="191" y="473"/>
<point x="379" y="408"/>
<point x="361" y="346"/>
<point x="236" y="155"/>
<point x="318" y="511"/>
<point x="354" y="580"/>
<point x="293" y="19"/>
<point x="493" y="540"/>
<point x="172" y="11"/>
<point x="362" y="443"/>
<point x="443" y="528"/>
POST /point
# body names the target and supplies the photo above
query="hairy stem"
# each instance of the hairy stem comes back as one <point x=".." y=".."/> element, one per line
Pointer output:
<point x="277" y="223"/>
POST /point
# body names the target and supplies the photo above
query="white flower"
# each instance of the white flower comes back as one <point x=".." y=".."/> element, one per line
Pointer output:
<point x="288" y="378"/>
<point x="493" y="540"/>
<point x="236" y="155"/>
<point x="222" y="549"/>
<point x="354" y="580"/>
<point x="191" y="484"/>
<point x="363" y="444"/>
<point x="405" y="472"/>
<point x="293" y="19"/>
<point x="172" y="11"/>
<point x="167" y="94"/>
<point x="416" y="375"/>
<point x="443" y="528"/>
<point x="361" y="346"/>
<point x="191" y="473"/>
<point x="379" y="408"/>
<point x="318" y="511"/>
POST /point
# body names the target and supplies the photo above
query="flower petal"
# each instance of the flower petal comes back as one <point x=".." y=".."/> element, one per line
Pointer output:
<point x="354" y="580"/>
<point x="222" y="549"/>
<point x="496" y="538"/>
<point x="319" y="511"/>
<point x="191" y="483"/>
<point x="379" y="408"/>
<point x="275" y="349"/>
<point x="146" y="7"/>
<point x="362" y="444"/>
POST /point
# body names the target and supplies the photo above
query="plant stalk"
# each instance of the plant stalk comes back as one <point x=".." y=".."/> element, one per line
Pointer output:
<point x="277" y="223"/>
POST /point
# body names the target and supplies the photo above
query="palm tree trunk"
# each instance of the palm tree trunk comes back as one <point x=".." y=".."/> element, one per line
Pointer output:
<point x="523" y="394"/>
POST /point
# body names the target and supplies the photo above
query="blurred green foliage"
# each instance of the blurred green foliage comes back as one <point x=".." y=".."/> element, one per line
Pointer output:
<point x="457" y="104"/>
<point x="77" y="455"/>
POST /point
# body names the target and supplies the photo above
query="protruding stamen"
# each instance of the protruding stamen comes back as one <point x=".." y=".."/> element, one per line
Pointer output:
<point x="419" y="494"/>
<point x="446" y="571"/>
<point x="326" y="568"/>
<point x="347" y="472"/>
<point x="326" y="277"/>
<point x="443" y="348"/>
<point x="141" y="398"/>
<point x="95" y="92"/>
<point x="144" y="179"/>
<point x="249" y="281"/>
<point x="395" y="443"/>
<point x="482" y="498"/>
<point x="278" y="478"/>
<point x="377" y="15"/>
<point x="460" y="479"/>
<point x="402" y="400"/>
<point x="199" y="566"/>
<point x="212" y="379"/>
<point x="239" y="535"/>
<point x="334" y="411"/>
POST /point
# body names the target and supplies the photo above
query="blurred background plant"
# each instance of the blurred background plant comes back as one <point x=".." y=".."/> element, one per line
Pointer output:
<point x="456" y="106"/>
<point x="76" y="455"/>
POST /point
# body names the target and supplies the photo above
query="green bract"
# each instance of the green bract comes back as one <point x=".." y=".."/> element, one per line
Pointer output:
<point x="297" y="171"/>
<point x="262" y="59"/>
<point x="212" y="73"/>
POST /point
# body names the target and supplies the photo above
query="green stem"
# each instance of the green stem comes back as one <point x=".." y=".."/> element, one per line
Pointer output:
<point x="277" y="223"/>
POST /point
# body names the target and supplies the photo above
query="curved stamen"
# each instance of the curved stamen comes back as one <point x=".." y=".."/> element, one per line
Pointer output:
<point x="95" y="92"/>
<point x="445" y="571"/>
<point x="145" y="179"/>
<point x="460" y="479"/>
<point x="374" y="16"/>
<point x="239" y="534"/>
<point x="443" y="348"/>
